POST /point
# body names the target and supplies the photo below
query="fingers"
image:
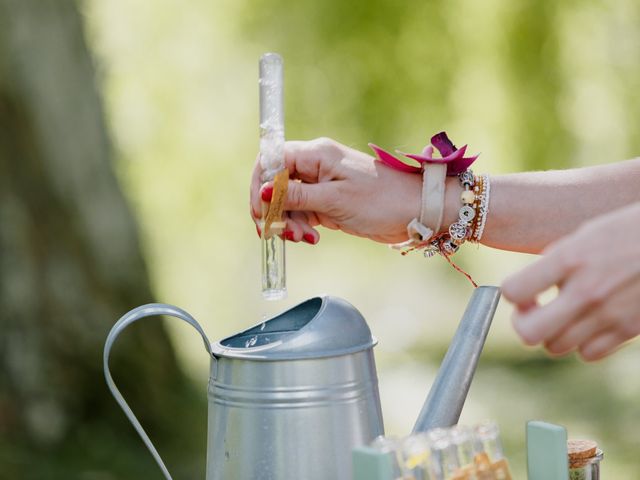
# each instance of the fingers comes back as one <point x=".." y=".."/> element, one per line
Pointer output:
<point x="303" y="196"/>
<point x="522" y="288"/>
<point x="574" y="335"/>
<point x="302" y="202"/>
<point x="293" y="231"/>
<point x="309" y="234"/>
<point x="254" y="191"/>
<point x="536" y="324"/>
<point x="597" y="307"/>
<point x="602" y="345"/>
<point x="539" y="324"/>
<point x="311" y="161"/>
<point x="297" y="228"/>
<point x="618" y="315"/>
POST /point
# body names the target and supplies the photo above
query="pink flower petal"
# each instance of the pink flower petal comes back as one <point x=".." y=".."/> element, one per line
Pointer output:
<point x="391" y="161"/>
<point x="459" y="153"/>
<point x="443" y="144"/>
<point x="423" y="159"/>
<point x="430" y="159"/>
<point x="454" y="158"/>
<point x="460" y="165"/>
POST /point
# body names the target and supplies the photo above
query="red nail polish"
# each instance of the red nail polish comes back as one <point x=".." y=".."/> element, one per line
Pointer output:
<point x="267" y="193"/>
<point x="288" y="234"/>
<point x="258" y="231"/>
<point x="309" y="238"/>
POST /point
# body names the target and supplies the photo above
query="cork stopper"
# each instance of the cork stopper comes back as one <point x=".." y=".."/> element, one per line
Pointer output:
<point x="581" y="452"/>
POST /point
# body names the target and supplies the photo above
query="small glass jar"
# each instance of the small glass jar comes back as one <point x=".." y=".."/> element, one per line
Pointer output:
<point x="584" y="460"/>
<point x="586" y="469"/>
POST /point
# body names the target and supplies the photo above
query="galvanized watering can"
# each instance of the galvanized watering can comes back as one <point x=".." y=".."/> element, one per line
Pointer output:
<point x="291" y="397"/>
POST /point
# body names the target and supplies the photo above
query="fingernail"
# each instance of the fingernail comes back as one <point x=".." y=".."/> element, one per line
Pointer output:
<point x="309" y="238"/>
<point x="288" y="234"/>
<point x="267" y="193"/>
<point x="258" y="231"/>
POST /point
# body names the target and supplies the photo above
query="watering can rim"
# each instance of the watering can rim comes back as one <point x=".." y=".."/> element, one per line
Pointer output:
<point x="351" y="322"/>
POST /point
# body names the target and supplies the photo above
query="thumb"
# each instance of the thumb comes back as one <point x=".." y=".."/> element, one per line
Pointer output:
<point x="302" y="196"/>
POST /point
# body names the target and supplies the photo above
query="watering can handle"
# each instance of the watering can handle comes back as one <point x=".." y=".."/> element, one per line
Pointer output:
<point x="149" y="310"/>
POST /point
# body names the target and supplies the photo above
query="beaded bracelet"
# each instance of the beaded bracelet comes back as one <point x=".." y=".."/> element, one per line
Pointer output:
<point x="483" y="209"/>
<point x="460" y="230"/>
<point x="472" y="217"/>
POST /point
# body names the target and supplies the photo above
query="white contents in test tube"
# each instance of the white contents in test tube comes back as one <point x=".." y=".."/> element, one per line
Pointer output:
<point x="274" y="285"/>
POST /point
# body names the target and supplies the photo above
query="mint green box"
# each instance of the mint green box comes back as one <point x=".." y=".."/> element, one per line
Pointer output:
<point x="547" y="457"/>
<point x="370" y="464"/>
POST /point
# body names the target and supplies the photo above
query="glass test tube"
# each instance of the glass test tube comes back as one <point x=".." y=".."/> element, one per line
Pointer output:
<point x="446" y="454"/>
<point x="488" y="436"/>
<point x="274" y="285"/>
<point x="416" y="457"/>
<point x="462" y="437"/>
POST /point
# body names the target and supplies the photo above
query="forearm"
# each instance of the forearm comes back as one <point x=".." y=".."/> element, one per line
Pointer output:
<point x="530" y="210"/>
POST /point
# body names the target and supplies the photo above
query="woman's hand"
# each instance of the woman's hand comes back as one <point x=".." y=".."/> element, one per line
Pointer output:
<point x="597" y="271"/>
<point x="343" y="189"/>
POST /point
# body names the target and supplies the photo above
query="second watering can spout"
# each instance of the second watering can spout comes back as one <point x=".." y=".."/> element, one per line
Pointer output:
<point x="449" y="390"/>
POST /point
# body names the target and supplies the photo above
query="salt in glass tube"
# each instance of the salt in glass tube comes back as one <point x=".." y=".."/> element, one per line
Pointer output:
<point x="274" y="285"/>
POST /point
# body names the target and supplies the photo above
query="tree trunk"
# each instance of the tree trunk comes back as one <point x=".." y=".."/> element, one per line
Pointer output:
<point x="70" y="265"/>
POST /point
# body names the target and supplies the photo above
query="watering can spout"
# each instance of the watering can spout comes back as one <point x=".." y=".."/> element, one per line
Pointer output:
<point x="449" y="390"/>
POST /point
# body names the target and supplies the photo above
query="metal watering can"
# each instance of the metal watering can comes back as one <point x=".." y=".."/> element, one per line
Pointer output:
<point x="291" y="397"/>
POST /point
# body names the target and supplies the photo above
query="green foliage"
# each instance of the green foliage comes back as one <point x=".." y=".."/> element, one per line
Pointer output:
<point x="360" y="71"/>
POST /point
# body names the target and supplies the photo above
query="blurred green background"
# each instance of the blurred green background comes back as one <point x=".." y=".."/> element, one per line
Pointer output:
<point x="530" y="84"/>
